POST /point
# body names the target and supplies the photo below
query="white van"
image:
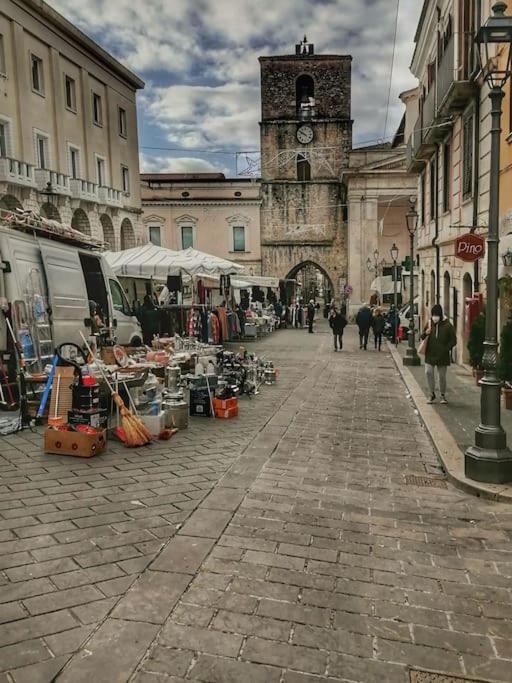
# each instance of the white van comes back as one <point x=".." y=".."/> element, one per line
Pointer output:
<point x="65" y="277"/>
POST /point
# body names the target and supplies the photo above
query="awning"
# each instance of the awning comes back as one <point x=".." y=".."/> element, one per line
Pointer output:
<point x="259" y="281"/>
<point x="384" y="285"/>
<point x="151" y="261"/>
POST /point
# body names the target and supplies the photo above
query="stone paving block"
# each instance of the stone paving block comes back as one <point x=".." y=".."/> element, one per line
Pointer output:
<point x="223" y="498"/>
<point x="274" y="560"/>
<point x="200" y="639"/>
<point x="23" y="654"/>
<point x="62" y="599"/>
<point x="352" y="668"/>
<point x="69" y="641"/>
<point x="43" y="672"/>
<point x="25" y="589"/>
<point x="206" y="523"/>
<point x="169" y="661"/>
<point x="183" y="554"/>
<point x="250" y="624"/>
<point x="94" y="612"/>
<point x="301" y="614"/>
<point x="34" y="627"/>
<point x="152" y="597"/>
<point x="113" y="653"/>
<point x="220" y="670"/>
<point x="12" y="611"/>
<point x="283" y="655"/>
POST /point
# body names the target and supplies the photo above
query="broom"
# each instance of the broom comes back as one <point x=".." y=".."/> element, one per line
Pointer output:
<point x="134" y="429"/>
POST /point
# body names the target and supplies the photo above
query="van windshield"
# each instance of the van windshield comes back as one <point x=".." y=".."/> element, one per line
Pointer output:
<point x="119" y="300"/>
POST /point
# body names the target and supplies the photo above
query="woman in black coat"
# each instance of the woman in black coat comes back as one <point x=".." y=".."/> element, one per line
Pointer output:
<point x="337" y="322"/>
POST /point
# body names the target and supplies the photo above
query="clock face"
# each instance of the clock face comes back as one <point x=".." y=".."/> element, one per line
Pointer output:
<point x="305" y="134"/>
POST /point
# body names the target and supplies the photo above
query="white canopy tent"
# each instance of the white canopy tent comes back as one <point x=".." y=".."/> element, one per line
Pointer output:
<point x="150" y="261"/>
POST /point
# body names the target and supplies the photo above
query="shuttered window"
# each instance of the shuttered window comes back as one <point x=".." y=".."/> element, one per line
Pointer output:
<point x="467" y="159"/>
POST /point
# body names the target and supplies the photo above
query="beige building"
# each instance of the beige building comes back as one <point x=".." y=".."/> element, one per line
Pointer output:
<point x="206" y="211"/>
<point x="68" y="126"/>
<point x="449" y="147"/>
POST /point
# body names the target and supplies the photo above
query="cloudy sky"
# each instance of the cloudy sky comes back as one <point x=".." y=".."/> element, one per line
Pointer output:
<point x="199" y="61"/>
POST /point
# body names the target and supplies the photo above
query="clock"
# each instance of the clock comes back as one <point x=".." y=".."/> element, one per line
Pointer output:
<point x="305" y="134"/>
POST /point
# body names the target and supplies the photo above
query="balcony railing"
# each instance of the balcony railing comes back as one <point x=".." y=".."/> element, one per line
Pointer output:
<point x="59" y="182"/>
<point x="16" y="172"/>
<point x="83" y="189"/>
<point x="110" y="196"/>
<point x="454" y="88"/>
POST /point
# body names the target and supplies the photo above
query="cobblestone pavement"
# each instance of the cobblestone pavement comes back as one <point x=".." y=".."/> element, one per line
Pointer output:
<point x="295" y="544"/>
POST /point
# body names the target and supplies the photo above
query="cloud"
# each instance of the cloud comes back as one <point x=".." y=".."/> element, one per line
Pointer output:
<point x="166" y="164"/>
<point x="200" y="59"/>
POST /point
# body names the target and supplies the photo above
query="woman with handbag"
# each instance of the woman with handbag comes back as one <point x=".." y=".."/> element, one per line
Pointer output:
<point x="438" y="340"/>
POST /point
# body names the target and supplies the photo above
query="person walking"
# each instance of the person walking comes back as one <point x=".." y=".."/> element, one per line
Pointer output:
<point x="440" y="339"/>
<point x="379" y="323"/>
<point x="311" y="315"/>
<point x="337" y="323"/>
<point x="364" y="322"/>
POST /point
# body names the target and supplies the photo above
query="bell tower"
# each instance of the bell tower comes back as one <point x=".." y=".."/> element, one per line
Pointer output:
<point x="306" y="136"/>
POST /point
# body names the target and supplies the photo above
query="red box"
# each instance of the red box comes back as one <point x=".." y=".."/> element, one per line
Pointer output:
<point x="226" y="414"/>
<point x="225" y="408"/>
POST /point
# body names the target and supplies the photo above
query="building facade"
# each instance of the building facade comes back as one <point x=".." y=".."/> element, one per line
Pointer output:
<point x="206" y="211"/>
<point x="306" y="137"/>
<point x="449" y="148"/>
<point x="68" y="126"/>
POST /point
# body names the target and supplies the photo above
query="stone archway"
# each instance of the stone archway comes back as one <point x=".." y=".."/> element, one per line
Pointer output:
<point x="109" y="235"/>
<point x="127" y="235"/>
<point x="10" y="203"/>
<point x="80" y="222"/>
<point x="316" y="282"/>
<point x="50" y="211"/>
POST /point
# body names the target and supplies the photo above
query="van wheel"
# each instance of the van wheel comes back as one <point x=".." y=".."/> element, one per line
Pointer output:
<point x="136" y="341"/>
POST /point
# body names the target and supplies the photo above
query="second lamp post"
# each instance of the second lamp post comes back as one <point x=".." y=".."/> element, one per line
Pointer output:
<point x="411" y="355"/>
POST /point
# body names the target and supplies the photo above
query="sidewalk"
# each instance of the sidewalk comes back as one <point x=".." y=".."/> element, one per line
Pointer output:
<point x="452" y="426"/>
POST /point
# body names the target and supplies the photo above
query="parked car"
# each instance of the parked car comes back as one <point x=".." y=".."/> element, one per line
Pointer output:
<point x="405" y="316"/>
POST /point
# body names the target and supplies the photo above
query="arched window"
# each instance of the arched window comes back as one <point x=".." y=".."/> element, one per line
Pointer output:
<point x="109" y="235"/>
<point x="303" y="168"/>
<point x="80" y="222"/>
<point x="127" y="235"/>
<point x="305" y="96"/>
<point x="50" y="211"/>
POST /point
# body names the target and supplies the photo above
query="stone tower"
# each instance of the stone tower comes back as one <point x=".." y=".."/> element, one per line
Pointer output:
<point x="306" y="136"/>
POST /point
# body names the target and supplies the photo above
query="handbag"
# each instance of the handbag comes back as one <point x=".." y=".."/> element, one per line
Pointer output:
<point x="422" y="348"/>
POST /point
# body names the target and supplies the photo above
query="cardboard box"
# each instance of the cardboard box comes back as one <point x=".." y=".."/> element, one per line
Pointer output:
<point x="74" y="443"/>
<point x="154" y="423"/>
<point x="91" y="418"/>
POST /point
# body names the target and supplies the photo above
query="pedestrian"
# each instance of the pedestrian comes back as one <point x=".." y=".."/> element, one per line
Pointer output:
<point x="364" y="322"/>
<point x="440" y="338"/>
<point x="149" y="320"/>
<point x="393" y="320"/>
<point x="337" y="323"/>
<point x="311" y="315"/>
<point x="379" y="323"/>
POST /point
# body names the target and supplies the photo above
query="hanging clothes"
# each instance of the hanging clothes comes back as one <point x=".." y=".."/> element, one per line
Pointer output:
<point x="203" y="332"/>
<point x="215" y="328"/>
<point x="223" y="322"/>
<point x="201" y="292"/>
<point x="191" y="328"/>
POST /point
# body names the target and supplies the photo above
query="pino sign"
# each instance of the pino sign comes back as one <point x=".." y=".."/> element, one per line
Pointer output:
<point x="469" y="247"/>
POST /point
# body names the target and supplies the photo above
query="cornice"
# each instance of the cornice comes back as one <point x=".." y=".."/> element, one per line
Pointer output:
<point x="198" y="202"/>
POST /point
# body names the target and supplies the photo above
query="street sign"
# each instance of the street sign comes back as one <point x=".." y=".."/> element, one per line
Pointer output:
<point x="469" y="247"/>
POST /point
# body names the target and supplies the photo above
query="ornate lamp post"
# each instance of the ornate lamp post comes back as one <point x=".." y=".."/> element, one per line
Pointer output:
<point x="489" y="460"/>
<point x="375" y="266"/>
<point x="394" y="256"/>
<point x="411" y="355"/>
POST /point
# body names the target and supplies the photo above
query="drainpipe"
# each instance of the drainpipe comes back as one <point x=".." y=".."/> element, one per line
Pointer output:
<point x="476" y="189"/>
<point x="436" y="228"/>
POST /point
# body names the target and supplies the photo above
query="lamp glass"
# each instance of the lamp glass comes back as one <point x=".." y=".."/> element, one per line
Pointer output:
<point x="394" y="252"/>
<point x="497" y="30"/>
<point x="412" y="221"/>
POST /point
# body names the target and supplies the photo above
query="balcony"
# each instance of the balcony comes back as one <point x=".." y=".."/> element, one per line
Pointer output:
<point x="59" y="181"/>
<point x="111" y="197"/>
<point x="414" y="162"/>
<point x="454" y="89"/>
<point x="84" y="190"/>
<point x="16" y="172"/>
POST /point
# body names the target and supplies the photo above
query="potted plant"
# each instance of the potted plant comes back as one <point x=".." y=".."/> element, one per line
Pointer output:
<point x="505" y="363"/>
<point x="476" y="346"/>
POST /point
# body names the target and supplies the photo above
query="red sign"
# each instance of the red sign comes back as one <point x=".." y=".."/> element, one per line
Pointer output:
<point x="469" y="247"/>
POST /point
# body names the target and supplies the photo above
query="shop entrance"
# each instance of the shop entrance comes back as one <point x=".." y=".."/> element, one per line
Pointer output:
<point x="313" y="282"/>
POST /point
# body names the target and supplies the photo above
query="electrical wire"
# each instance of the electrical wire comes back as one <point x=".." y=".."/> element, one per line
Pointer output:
<point x="392" y="67"/>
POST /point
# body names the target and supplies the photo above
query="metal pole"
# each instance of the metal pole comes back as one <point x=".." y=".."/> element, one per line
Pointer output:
<point x="395" y="303"/>
<point x="411" y="355"/>
<point x="489" y="460"/>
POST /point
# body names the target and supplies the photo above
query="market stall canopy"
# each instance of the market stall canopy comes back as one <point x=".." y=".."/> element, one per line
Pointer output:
<point x="384" y="285"/>
<point x="259" y="281"/>
<point x="152" y="261"/>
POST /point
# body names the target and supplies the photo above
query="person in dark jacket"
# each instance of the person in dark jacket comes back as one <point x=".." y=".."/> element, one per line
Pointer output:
<point x="311" y="315"/>
<point x="364" y="322"/>
<point x="441" y="338"/>
<point x="149" y="320"/>
<point x="337" y="323"/>
<point x="379" y="323"/>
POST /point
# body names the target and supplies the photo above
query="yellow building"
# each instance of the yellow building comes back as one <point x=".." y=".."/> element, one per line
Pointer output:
<point x="68" y="126"/>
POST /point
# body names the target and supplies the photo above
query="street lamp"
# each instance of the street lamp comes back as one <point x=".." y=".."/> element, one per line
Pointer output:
<point x="49" y="193"/>
<point x="411" y="355"/>
<point x="489" y="460"/>
<point x="394" y="256"/>
<point x="375" y="266"/>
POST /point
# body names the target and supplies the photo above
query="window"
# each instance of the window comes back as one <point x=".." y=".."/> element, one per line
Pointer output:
<point x="70" y="87"/>
<point x="119" y="301"/>
<point x="42" y="152"/>
<point x="125" y="176"/>
<point x="74" y="162"/>
<point x="303" y="168"/>
<point x="37" y="75"/>
<point x="3" y="139"/>
<point x="433" y="203"/>
<point x="447" y="176"/>
<point x="238" y="238"/>
<point x="187" y="236"/>
<point x="100" y="171"/>
<point x="154" y="235"/>
<point x="122" y="122"/>
<point x="423" y="193"/>
<point x="3" y="68"/>
<point x="97" y="111"/>
<point x="467" y="160"/>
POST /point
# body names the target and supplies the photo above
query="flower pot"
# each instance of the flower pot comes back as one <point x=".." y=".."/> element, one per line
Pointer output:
<point x="507" y="396"/>
<point x="478" y="374"/>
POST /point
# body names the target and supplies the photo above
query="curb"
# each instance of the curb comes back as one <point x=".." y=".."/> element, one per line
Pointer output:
<point x="450" y="455"/>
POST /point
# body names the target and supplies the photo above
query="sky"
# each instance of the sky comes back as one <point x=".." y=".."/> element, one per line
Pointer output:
<point x="200" y="108"/>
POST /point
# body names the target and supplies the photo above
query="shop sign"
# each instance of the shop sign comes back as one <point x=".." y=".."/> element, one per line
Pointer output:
<point x="469" y="247"/>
